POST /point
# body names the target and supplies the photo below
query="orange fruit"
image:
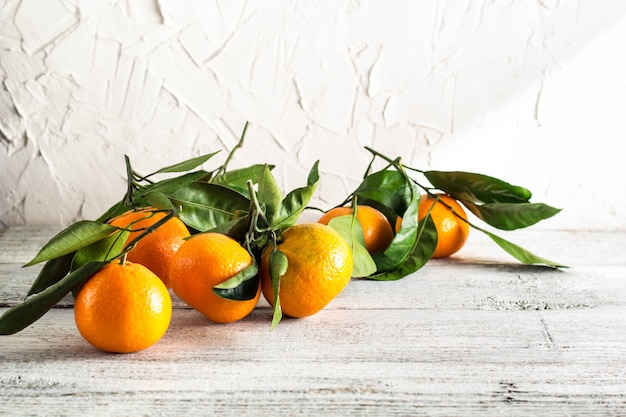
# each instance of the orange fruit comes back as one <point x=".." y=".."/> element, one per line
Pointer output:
<point x="398" y="225"/>
<point x="204" y="261"/>
<point x="156" y="250"/>
<point x="319" y="268"/>
<point x="123" y="308"/>
<point x="377" y="231"/>
<point x="452" y="231"/>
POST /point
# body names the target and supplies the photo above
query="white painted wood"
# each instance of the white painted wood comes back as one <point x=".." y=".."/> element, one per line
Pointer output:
<point x="473" y="335"/>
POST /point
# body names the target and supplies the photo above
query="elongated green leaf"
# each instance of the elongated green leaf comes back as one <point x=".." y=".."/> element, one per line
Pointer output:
<point x="269" y="193"/>
<point x="187" y="165"/>
<point x="314" y="175"/>
<point x="511" y="216"/>
<point x="236" y="228"/>
<point x="422" y="252"/>
<point x="389" y="188"/>
<point x="403" y="242"/>
<point x="51" y="273"/>
<point x="35" y="306"/>
<point x="74" y="237"/>
<point x="102" y="250"/>
<point x="350" y="229"/>
<point x="159" y="201"/>
<point x="243" y="286"/>
<point x="206" y="206"/>
<point x="295" y="202"/>
<point x="278" y="263"/>
<point x="237" y="179"/>
<point x="171" y="185"/>
<point x="244" y="275"/>
<point x="477" y="187"/>
<point x="520" y="253"/>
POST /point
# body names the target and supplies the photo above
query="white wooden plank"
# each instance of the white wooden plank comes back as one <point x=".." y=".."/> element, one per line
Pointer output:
<point x="394" y="362"/>
<point x="456" y="283"/>
<point x="477" y="334"/>
<point x="450" y="286"/>
<point x="18" y="245"/>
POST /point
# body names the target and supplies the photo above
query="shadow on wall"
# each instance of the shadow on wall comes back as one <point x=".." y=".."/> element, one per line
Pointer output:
<point x="481" y="54"/>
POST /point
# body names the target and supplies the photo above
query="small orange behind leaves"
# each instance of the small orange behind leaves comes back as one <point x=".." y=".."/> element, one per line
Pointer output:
<point x="123" y="308"/>
<point x="377" y="231"/>
<point x="156" y="250"/>
<point x="204" y="261"/>
<point x="452" y="231"/>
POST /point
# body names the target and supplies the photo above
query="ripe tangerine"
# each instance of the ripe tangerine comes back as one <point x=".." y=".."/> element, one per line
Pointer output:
<point x="450" y="221"/>
<point x="377" y="231"/>
<point x="123" y="308"/>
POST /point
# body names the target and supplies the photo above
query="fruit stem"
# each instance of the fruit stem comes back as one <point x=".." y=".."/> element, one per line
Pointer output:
<point x="256" y="208"/>
<point x="393" y="162"/>
<point x="170" y="213"/>
<point x="222" y="169"/>
<point x="256" y="213"/>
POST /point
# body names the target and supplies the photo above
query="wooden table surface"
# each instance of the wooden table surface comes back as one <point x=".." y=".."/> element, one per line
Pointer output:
<point x="476" y="334"/>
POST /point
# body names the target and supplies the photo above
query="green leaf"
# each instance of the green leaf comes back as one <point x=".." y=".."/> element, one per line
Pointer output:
<point x="479" y="188"/>
<point x="51" y="273"/>
<point x="314" y="175"/>
<point x="242" y="286"/>
<point x="350" y="229"/>
<point x="269" y="193"/>
<point x="35" y="306"/>
<point x="421" y="253"/>
<point x="390" y="188"/>
<point x="236" y="228"/>
<point x="511" y="216"/>
<point x="520" y="253"/>
<point x="74" y="237"/>
<point x="206" y="206"/>
<point x="295" y="202"/>
<point x="159" y="200"/>
<point x="278" y="263"/>
<point x="403" y="242"/>
<point x="237" y="179"/>
<point x="102" y="250"/>
<point x="171" y="185"/>
<point x="187" y="165"/>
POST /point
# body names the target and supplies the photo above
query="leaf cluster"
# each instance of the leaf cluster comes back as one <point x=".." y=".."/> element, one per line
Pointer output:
<point x="246" y="204"/>
<point x="396" y="192"/>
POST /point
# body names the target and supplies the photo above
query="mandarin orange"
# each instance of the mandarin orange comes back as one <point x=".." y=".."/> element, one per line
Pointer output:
<point x="123" y="308"/>
<point x="156" y="250"/>
<point x="377" y="231"/>
<point x="204" y="261"/>
<point x="319" y="268"/>
<point x="450" y="221"/>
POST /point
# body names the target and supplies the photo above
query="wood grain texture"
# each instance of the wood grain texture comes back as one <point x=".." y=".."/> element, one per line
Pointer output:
<point x="474" y="335"/>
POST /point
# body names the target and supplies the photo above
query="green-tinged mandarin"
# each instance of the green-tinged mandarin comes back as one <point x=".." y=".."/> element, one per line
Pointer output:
<point x="319" y="268"/>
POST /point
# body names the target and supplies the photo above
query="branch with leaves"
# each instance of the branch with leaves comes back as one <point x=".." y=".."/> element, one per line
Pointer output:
<point x="395" y="192"/>
<point x="248" y="205"/>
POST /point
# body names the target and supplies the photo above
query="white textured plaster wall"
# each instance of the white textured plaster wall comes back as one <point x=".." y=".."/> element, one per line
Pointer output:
<point x="530" y="91"/>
